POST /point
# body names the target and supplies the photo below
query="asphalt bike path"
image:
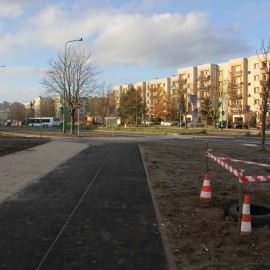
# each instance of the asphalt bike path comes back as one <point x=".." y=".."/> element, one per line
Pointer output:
<point x="94" y="211"/>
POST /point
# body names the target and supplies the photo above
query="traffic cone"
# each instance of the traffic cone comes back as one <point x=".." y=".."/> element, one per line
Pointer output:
<point x="246" y="218"/>
<point x="206" y="189"/>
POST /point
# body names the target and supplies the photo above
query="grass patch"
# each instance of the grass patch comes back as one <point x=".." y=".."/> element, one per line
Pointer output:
<point x="155" y="130"/>
<point x="160" y="184"/>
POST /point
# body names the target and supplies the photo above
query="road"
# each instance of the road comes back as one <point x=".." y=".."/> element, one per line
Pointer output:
<point x="233" y="137"/>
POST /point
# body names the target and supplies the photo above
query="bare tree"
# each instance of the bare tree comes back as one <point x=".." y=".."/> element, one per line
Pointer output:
<point x="264" y="59"/>
<point x="73" y="76"/>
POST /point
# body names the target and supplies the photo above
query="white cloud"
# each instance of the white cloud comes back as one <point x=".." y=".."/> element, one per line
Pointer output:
<point x="22" y="72"/>
<point x="10" y="9"/>
<point x="164" y="40"/>
<point x="118" y="37"/>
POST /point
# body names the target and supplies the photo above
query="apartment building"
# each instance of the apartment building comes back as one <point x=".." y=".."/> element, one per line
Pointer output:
<point x="157" y="94"/>
<point x="184" y="86"/>
<point x="256" y="75"/>
<point x="141" y="88"/>
<point x="118" y="91"/>
<point x="234" y="89"/>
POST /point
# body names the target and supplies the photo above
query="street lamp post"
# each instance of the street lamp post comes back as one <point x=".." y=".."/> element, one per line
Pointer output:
<point x="222" y="112"/>
<point x="136" y="109"/>
<point x="193" y="99"/>
<point x="40" y="113"/>
<point x="65" y="74"/>
<point x="215" y="97"/>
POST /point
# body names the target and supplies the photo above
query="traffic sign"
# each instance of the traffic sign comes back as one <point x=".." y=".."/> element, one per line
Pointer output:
<point x="222" y="113"/>
<point x="78" y="106"/>
<point x="180" y="108"/>
<point x="63" y="110"/>
<point x="195" y="111"/>
<point x="195" y="115"/>
<point x="111" y="110"/>
<point x="193" y="99"/>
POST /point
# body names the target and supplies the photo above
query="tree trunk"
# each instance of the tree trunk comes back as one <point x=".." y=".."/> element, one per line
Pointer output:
<point x="263" y="128"/>
<point x="72" y="119"/>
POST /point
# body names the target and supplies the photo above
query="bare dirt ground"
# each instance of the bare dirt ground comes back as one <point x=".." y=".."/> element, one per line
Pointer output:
<point x="9" y="145"/>
<point x="202" y="235"/>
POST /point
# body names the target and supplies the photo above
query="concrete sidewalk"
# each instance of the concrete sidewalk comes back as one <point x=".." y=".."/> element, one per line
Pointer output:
<point x="24" y="167"/>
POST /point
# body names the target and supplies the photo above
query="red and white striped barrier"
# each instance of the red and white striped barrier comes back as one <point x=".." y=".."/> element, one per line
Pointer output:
<point x="246" y="162"/>
<point x="242" y="178"/>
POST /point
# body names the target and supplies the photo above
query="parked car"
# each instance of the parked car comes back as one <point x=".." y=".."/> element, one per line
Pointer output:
<point x="166" y="123"/>
<point x="197" y="124"/>
<point x="182" y="124"/>
<point x="260" y="125"/>
<point x="8" y="123"/>
<point x="225" y="123"/>
<point x="148" y="123"/>
<point x="239" y="125"/>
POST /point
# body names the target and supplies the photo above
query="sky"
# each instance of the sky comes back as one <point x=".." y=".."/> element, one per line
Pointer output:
<point x="131" y="40"/>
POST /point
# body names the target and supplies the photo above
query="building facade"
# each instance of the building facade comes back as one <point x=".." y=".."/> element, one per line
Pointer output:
<point x="233" y="88"/>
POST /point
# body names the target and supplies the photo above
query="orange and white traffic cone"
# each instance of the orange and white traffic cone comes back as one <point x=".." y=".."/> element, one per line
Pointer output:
<point x="246" y="218"/>
<point x="206" y="189"/>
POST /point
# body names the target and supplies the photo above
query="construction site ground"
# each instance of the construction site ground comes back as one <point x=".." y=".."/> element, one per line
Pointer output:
<point x="200" y="233"/>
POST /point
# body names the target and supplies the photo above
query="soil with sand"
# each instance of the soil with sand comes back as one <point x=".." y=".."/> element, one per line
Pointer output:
<point x="9" y="145"/>
<point x="202" y="235"/>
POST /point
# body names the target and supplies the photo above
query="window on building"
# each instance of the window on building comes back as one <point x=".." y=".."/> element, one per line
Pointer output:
<point x="236" y="80"/>
<point x="256" y="66"/>
<point x="236" y="68"/>
<point x="256" y="78"/>
<point x="256" y="90"/>
<point x="189" y="75"/>
<point x="205" y="73"/>
<point x="256" y="101"/>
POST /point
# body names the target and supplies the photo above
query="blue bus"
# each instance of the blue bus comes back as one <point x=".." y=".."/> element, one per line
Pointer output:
<point x="44" y="122"/>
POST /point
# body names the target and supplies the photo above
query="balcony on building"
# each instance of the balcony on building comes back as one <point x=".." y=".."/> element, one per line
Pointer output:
<point x="236" y="85"/>
<point x="202" y="97"/>
<point x="236" y="73"/>
<point x="237" y="108"/>
<point x="182" y="89"/>
<point x="204" y="78"/>
<point x="182" y="81"/>
<point x="153" y="89"/>
<point x="235" y="95"/>
<point x="203" y="88"/>
<point x="264" y="71"/>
